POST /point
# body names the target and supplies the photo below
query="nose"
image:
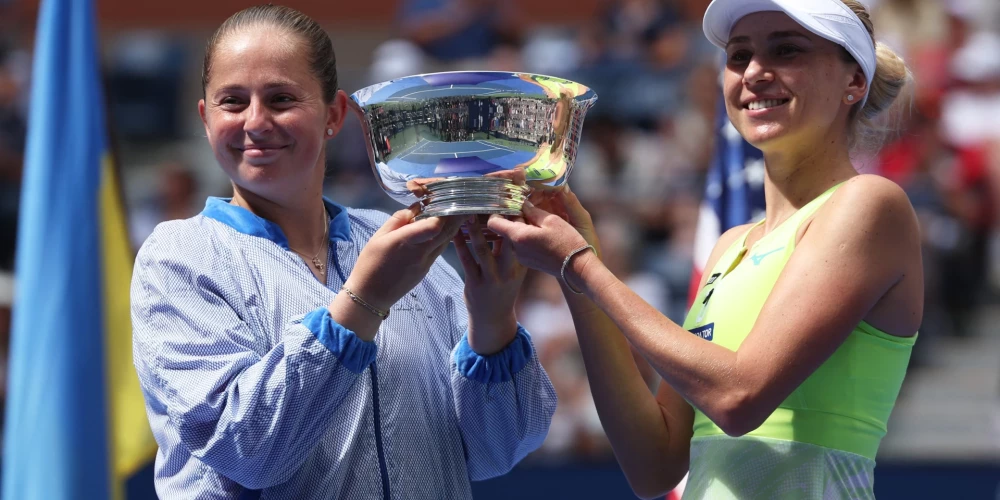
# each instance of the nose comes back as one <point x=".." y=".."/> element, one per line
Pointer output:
<point x="258" y="118"/>
<point x="757" y="72"/>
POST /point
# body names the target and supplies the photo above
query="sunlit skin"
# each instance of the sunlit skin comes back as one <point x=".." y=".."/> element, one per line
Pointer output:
<point x="770" y="56"/>
<point x="265" y="116"/>
<point x="805" y="138"/>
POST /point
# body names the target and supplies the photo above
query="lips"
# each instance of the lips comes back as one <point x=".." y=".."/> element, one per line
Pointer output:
<point x="260" y="150"/>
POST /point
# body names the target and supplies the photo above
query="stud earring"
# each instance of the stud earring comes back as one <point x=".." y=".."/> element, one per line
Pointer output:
<point x="329" y="131"/>
<point x="850" y="98"/>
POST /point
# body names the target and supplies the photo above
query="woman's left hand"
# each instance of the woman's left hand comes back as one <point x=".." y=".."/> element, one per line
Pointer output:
<point x="493" y="279"/>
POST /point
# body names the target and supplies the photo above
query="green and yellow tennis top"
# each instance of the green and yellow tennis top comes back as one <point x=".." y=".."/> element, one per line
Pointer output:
<point x="822" y="440"/>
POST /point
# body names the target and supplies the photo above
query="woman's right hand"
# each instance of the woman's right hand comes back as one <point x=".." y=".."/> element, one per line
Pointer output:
<point x="395" y="259"/>
<point x="399" y="255"/>
<point x="564" y="203"/>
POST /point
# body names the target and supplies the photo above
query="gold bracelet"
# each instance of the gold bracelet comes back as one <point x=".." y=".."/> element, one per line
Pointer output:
<point x="358" y="300"/>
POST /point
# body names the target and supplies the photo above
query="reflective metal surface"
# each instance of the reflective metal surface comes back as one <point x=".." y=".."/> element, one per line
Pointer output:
<point x="471" y="142"/>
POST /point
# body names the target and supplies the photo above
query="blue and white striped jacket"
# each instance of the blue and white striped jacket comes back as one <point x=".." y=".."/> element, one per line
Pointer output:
<point x="253" y="391"/>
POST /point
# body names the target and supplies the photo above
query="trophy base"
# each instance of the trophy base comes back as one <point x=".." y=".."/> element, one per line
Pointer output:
<point x="472" y="196"/>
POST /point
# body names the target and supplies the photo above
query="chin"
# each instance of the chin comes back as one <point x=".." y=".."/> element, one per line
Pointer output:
<point x="257" y="181"/>
<point x="256" y="171"/>
<point x="256" y="166"/>
<point x="277" y="175"/>
<point x="763" y="135"/>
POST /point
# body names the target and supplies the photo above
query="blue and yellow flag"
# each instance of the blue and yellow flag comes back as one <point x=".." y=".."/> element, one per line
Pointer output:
<point x="75" y="422"/>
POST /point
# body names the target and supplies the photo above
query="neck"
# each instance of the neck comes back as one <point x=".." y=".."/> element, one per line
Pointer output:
<point x="303" y="220"/>
<point x="796" y="177"/>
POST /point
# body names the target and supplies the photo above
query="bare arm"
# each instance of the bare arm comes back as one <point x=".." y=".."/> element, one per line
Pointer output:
<point x="651" y="436"/>
<point x="860" y="246"/>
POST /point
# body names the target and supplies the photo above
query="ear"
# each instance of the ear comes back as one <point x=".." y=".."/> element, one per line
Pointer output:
<point x="857" y="86"/>
<point x="335" y="115"/>
<point x="201" y="113"/>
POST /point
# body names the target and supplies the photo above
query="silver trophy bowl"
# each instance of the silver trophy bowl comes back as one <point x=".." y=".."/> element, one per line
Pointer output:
<point x="471" y="142"/>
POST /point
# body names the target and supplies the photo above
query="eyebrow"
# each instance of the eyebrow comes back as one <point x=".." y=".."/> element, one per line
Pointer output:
<point x="773" y="36"/>
<point x="267" y="86"/>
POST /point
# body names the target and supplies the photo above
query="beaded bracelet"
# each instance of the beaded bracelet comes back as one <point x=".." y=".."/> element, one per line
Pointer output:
<point x="358" y="300"/>
<point x="562" y="272"/>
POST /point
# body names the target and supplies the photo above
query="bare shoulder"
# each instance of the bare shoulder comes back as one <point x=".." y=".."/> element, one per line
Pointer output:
<point x="868" y="228"/>
<point x="864" y="242"/>
<point x="872" y="195"/>
<point x="870" y="207"/>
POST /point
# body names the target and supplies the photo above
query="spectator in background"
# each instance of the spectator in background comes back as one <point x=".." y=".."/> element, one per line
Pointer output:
<point x="176" y="197"/>
<point x="13" y="130"/>
<point x="968" y="128"/>
<point x="911" y="25"/>
<point x="12" y="140"/>
<point x="575" y="433"/>
<point x="458" y="31"/>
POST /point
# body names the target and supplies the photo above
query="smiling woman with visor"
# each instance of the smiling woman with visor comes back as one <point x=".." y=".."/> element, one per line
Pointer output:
<point x="780" y="383"/>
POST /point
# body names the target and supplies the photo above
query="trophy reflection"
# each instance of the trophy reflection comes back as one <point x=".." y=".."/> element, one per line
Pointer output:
<point x="471" y="143"/>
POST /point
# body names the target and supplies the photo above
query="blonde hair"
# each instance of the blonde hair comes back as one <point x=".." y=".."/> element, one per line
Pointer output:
<point x="869" y="126"/>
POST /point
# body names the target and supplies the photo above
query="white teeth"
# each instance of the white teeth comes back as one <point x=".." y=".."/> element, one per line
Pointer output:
<point x="767" y="103"/>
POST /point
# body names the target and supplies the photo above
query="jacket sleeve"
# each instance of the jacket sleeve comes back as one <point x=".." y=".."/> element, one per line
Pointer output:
<point x="504" y="401"/>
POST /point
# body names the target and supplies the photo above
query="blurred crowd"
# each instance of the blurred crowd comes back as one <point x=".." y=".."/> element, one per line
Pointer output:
<point x="642" y="161"/>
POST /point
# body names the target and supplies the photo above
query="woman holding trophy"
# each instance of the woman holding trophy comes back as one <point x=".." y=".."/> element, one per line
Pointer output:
<point x="780" y="382"/>
<point x="289" y="347"/>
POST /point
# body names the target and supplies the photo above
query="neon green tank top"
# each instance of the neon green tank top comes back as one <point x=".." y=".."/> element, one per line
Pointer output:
<point x="823" y="438"/>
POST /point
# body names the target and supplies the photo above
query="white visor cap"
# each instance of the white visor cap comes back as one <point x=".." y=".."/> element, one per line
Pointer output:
<point x="830" y="19"/>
